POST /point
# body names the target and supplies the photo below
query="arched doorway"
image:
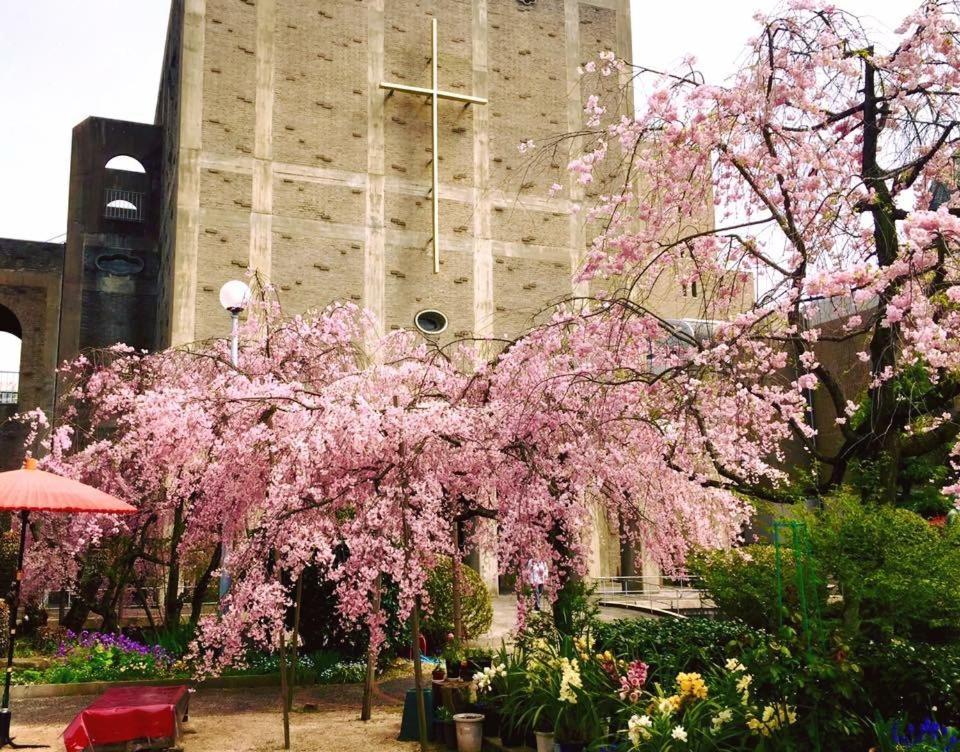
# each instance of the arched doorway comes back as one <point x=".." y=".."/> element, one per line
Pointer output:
<point x="11" y="340"/>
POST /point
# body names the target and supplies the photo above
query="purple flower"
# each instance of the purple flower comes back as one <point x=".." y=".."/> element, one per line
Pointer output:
<point x="119" y="642"/>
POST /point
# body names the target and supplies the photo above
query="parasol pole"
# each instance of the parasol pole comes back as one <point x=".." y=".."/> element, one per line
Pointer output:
<point x="13" y="601"/>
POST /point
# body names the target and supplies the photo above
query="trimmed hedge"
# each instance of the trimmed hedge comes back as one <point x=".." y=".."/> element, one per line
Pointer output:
<point x="475" y="600"/>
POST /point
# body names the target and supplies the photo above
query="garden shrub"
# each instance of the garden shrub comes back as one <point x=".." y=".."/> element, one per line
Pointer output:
<point x="669" y="646"/>
<point x="897" y="574"/>
<point x="893" y="573"/>
<point x="9" y="546"/>
<point x="477" y="606"/>
<point x="92" y="656"/>
<point x="742" y="583"/>
<point x="909" y="679"/>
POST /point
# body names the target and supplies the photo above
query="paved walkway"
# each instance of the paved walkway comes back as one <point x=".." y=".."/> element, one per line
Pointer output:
<point x="505" y="619"/>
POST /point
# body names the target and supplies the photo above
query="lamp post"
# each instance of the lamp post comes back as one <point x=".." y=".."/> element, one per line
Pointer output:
<point x="234" y="297"/>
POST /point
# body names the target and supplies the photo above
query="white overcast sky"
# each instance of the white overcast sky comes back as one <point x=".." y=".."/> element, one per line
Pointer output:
<point x="64" y="60"/>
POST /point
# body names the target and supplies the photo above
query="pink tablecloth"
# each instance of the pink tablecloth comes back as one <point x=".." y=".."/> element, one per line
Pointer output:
<point x="126" y="714"/>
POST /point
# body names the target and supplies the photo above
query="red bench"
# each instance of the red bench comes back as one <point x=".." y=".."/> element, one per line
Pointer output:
<point x="125" y="718"/>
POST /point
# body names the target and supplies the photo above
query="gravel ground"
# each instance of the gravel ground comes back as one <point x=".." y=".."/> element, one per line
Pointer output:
<point x="249" y="720"/>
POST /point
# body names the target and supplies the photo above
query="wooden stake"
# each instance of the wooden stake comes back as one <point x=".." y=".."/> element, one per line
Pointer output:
<point x="371" y="677"/>
<point x="295" y="647"/>
<point x="418" y="675"/>
<point x="456" y="585"/>
<point x="284" y="689"/>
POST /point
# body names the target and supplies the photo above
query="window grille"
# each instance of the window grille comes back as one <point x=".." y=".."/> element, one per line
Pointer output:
<point x="9" y="387"/>
<point x="125" y="205"/>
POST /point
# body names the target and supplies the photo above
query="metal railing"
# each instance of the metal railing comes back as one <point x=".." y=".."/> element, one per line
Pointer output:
<point x="9" y="387"/>
<point x="681" y="594"/>
<point x="125" y="205"/>
<point x="58" y="602"/>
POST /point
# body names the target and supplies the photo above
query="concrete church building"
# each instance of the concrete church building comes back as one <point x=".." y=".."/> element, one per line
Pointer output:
<point x="322" y="144"/>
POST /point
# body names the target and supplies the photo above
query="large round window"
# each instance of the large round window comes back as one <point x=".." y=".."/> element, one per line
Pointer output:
<point x="430" y="322"/>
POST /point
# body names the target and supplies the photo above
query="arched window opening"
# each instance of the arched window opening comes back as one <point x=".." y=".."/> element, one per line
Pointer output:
<point x="123" y="205"/>
<point x="123" y="163"/>
<point x="11" y="340"/>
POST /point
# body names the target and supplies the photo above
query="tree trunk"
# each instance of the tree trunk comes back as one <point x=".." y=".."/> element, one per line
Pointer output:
<point x="370" y="680"/>
<point x="173" y="602"/>
<point x="418" y="674"/>
<point x="456" y="584"/>
<point x="565" y="604"/>
<point x="201" y="585"/>
<point x="82" y="602"/>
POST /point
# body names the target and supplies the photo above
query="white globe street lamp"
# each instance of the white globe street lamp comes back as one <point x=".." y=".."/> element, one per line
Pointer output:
<point x="234" y="297"/>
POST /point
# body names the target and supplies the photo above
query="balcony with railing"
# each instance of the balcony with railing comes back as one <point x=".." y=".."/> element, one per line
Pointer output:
<point x="9" y="387"/>
<point x="123" y="205"/>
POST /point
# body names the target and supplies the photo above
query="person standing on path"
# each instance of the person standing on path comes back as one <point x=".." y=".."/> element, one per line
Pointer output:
<point x="537" y="577"/>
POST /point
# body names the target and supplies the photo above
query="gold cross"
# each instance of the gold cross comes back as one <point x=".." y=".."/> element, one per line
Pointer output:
<point x="434" y="94"/>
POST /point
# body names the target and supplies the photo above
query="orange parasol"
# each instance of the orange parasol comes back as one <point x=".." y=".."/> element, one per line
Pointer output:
<point x="32" y="490"/>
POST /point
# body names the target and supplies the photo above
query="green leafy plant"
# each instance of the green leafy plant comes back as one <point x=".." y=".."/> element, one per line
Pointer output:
<point x="670" y="646"/>
<point x="560" y="686"/>
<point x="910" y="678"/>
<point x="897" y="575"/>
<point x="742" y="583"/>
<point x="453" y="653"/>
<point x="475" y="600"/>
<point x="575" y="608"/>
<point x="714" y="711"/>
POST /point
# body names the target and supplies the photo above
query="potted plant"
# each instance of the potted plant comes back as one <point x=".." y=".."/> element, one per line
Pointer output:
<point x="480" y="658"/>
<point x="466" y="669"/>
<point x="439" y="673"/>
<point x="453" y="658"/>
<point x="563" y="689"/>
<point x="493" y="686"/>
<point x="444" y="729"/>
<point x="469" y="732"/>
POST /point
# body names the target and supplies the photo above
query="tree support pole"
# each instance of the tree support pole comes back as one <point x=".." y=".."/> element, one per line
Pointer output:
<point x="13" y="603"/>
<point x="418" y="675"/>
<point x="367" y="709"/>
<point x="455" y="584"/>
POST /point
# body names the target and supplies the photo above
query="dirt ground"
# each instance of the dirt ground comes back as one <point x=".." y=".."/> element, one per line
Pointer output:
<point x="249" y="720"/>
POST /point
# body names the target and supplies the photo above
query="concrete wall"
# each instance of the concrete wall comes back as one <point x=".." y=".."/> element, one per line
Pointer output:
<point x="30" y="279"/>
<point x="291" y="160"/>
<point x="111" y="263"/>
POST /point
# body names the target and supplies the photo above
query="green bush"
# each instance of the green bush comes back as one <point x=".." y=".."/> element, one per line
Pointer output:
<point x="669" y="646"/>
<point x="893" y="574"/>
<point x="909" y="679"/>
<point x="742" y="583"/>
<point x="897" y="575"/>
<point x="477" y="606"/>
<point x="100" y="663"/>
